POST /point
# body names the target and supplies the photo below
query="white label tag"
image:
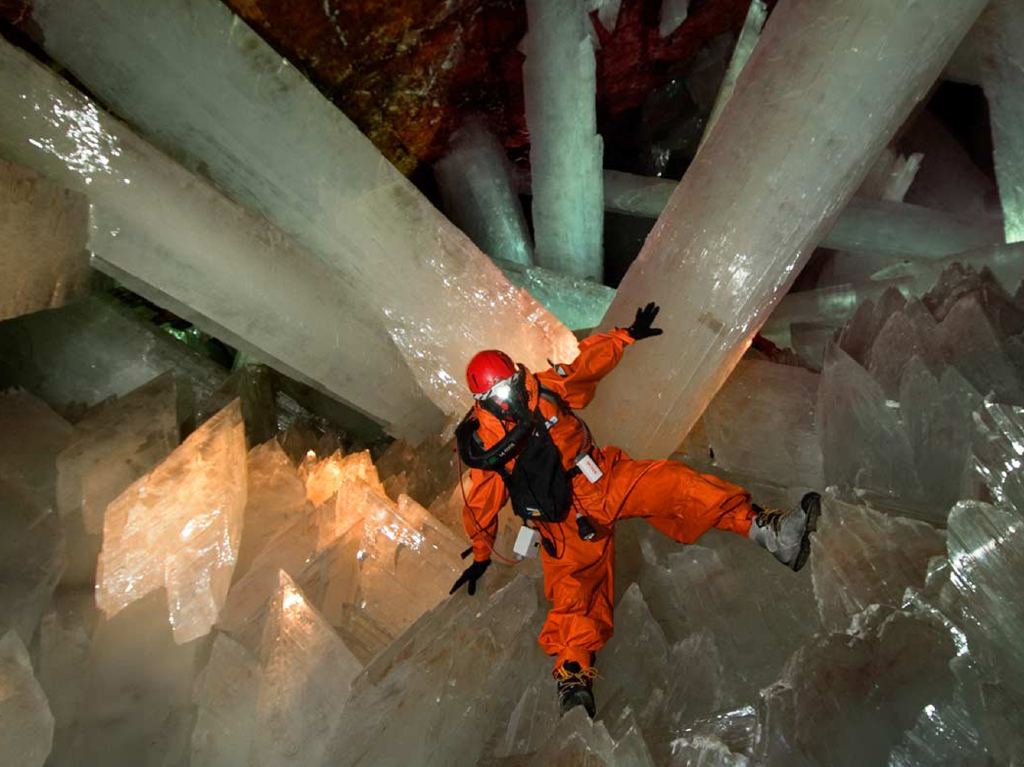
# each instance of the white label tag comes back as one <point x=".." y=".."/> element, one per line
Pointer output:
<point x="527" y="543"/>
<point x="589" y="468"/>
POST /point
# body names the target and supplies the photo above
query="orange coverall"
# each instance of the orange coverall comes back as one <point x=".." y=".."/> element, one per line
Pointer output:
<point x="670" y="496"/>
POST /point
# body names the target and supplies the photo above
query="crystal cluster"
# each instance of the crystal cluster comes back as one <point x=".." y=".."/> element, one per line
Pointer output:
<point x="287" y="605"/>
<point x="279" y="705"/>
<point x="900" y="385"/>
<point x="371" y="564"/>
<point x="179" y="527"/>
<point x="114" y="444"/>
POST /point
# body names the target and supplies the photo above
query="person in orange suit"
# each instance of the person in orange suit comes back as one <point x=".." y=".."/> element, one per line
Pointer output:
<point x="523" y="439"/>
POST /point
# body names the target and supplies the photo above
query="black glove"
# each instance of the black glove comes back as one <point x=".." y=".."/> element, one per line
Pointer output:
<point x="641" y="327"/>
<point x="471" y="575"/>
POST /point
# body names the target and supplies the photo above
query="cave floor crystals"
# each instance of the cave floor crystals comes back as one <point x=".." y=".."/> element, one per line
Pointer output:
<point x="246" y="597"/>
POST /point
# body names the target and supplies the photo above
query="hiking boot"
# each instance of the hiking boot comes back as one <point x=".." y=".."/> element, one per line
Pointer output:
<point x="575" y="687"/>
<point x="787" y="534"/>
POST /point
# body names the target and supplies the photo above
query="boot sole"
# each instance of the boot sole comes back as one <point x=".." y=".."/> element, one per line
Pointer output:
<point x="813" y="501"/>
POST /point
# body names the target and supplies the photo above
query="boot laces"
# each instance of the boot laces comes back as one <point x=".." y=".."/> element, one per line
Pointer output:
<point x="567" y="678"/>
<point x="770" y="516"/>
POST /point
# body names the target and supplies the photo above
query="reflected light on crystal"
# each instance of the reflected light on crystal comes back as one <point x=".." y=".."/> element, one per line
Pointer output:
<point x="293" y="601"/>
<point x="90" y="148"/>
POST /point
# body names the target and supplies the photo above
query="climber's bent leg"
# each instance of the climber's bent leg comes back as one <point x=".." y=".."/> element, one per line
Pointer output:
<point x="678" y="501"/>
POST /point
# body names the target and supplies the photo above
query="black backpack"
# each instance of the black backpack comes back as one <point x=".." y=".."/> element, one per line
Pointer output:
<point x="538" y="486"/>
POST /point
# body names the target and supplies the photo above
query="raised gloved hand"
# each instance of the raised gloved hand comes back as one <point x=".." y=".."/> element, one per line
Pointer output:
<point x="641" y="327"/>
<point x="471" y="575"/>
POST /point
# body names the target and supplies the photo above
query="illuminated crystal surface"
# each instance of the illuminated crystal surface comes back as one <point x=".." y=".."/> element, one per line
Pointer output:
<point x="531" y="722"/>
<point x="864" y="557"/>
<point x="329" y="476"/>
<point x="943" y="734"/>
<point x="728" y="245"/>
<point x="113" y="445"/>
<point x="998" y="446"/>
<point x="477" y="190"/>
<point x="900" y="230"/>
<point x="559" y="85"/>
<point x="198" y="82"/>
<point x="178" y="527"/>
<point x="275" y="500"/>
<point x="44" y="263"/>
<point x="385" y="566"/>
<point x="891" y="176"/>
<point x="607" y="12"/>
<point x="26" y="724"/>
<point x="306" y="672"/>
<point x="48" y="125"/>
<point x="244" y="613"/>
<point x="581" y="741"/>
<point x="938" y="417"/>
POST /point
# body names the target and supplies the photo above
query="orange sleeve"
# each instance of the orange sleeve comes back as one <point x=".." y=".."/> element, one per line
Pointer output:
<point x="484" y="499"/>
<point x="576" y="382"/>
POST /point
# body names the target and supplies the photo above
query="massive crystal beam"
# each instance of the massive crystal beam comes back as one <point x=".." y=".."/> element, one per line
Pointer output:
<point x="179" y="526"/>
<point x="198" y="82"/>
<point x="159" y="223"/>
<point x="790" y="149"/>
<point x="749" y="35"/>
<point x="559" y="80"/>
<point x="478" y="193"/>
<point x="43" y="263"/>
<point x="991" y="56"/>
<point x="884" y="227"/>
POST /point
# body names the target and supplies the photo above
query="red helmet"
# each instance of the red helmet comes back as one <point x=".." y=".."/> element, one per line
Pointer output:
<point x="487" y="368"/>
